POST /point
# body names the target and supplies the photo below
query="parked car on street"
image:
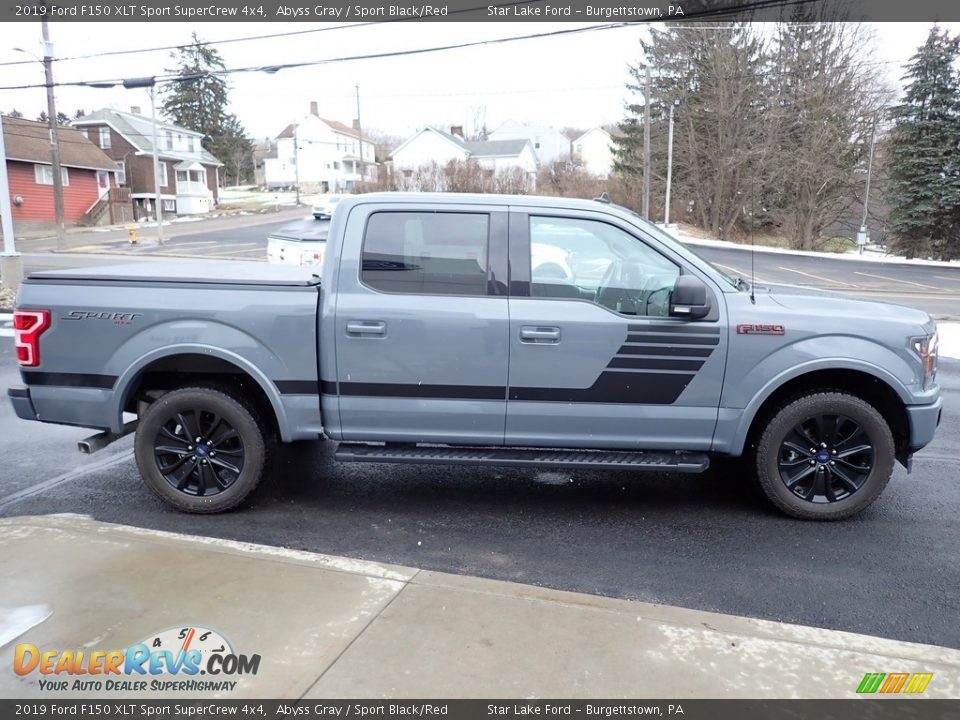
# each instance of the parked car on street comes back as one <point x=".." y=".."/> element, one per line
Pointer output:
<point x="427" y="339"/>
<point x="303" y="243"/>
<point x="323" y="208"/>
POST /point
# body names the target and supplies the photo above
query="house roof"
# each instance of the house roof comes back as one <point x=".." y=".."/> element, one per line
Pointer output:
<point x="138" y="131"/>
<point x="496" y="148"/>
<point x="475" y="148"/>
<point x="593" y="129"/>
<point x="29" y="141"/>
<point x="334" y="125"/>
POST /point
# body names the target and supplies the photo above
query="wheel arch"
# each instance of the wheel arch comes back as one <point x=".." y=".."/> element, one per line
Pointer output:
<point x="859" y="383"/>
<point x="171" y="367"/>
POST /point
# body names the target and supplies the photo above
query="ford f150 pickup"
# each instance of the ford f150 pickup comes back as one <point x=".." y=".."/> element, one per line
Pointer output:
<point x="483" y="330"/>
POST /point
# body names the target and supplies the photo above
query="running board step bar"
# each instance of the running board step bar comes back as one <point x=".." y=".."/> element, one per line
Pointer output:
<point x="656" y="461"/>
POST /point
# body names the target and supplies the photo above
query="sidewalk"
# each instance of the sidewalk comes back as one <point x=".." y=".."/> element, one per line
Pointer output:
<point x="329" y="627"/>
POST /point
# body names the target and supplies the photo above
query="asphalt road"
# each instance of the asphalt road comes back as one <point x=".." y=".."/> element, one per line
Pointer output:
<point x="706" y="542"/>
<point x="934" y="289"/>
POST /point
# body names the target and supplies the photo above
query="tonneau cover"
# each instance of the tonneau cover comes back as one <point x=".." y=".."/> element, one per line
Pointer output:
<point x="220" y="272"/>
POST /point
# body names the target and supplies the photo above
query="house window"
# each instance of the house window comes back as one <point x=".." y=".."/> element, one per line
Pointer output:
<point x="426" y="253"/>
<point x="105" y="138"/>
<point x="193" y="145"/>
<point x="181" y="176"/>
<point x="536" y="143"/>
<point x="43" y="174"/>
<point x="121" y="173"/>
<point x="169" y="205"/>
<point x="579" y="148"/>
<point x="336" y="165"/>
<point x="168" y="137"/>
<point x="163" y="174"/>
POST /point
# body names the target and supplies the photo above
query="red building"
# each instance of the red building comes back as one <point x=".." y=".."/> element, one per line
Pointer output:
<point x="89" y="177"/>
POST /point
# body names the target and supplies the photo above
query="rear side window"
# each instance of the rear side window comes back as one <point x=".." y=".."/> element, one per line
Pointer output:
<point x="426" y="253"/>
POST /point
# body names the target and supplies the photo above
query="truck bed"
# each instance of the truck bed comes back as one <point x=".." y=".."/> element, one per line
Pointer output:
<point x="191" y="271"/>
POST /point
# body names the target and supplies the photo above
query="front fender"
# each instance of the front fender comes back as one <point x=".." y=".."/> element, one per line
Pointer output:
<point x="751" y="386"/>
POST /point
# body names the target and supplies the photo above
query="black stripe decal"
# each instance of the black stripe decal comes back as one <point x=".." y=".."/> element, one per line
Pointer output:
<point x="328" y="387"/>
<point x="614" y="387"/>
<point x="655" y="364"/>
<point x="681" y="329"/>
<point x="675" y="339"/>
<point x="78" y="380"/>
<point x="661" y="350"/>
<point x="297" y="387"/>
<point x="444" y="392"/>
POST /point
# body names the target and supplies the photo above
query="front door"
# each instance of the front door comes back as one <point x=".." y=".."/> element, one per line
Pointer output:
<point x="595" y="359"/>
<point x="422" y="328"/>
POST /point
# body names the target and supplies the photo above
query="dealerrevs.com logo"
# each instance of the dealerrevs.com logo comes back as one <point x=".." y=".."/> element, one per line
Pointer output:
<point x="178" y="659"/>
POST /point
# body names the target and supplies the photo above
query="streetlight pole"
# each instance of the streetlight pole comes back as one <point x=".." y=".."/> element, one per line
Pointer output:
<point x="666" y="209"/>
<point x="54" y="136"/>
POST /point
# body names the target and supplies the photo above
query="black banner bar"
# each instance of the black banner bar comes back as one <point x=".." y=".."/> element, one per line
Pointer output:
<point x="857" y="709"/>
<point x="587" y="11"/>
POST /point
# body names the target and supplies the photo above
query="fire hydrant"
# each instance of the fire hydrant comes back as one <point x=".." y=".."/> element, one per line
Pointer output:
<point x="132" y="230"/>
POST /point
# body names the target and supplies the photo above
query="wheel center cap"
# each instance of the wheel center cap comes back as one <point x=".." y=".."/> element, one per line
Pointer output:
<point x="201" y="451"/>
<point x="823" y="457"/>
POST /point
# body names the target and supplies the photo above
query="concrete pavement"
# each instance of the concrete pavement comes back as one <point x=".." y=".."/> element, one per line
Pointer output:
<point x="333" y="627"/>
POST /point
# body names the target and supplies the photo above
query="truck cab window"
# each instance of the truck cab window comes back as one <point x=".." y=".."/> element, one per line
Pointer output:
<point x="574" y="258"/>
<point x="426" y="253"/>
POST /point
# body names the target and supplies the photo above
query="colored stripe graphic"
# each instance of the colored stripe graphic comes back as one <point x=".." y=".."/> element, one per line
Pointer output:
<point x="918" y="682"/>
<point x="894" y="682"/>
<point x="871" y="682"/>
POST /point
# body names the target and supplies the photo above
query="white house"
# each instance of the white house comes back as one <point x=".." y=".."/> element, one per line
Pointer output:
<point x="594" y="151"/>
<point x="321" y="155"/>
<point x="549" y="144"/>
<point x="432" y="145"/>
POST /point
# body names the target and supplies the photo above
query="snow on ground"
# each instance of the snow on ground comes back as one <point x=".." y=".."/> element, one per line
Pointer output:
<point x="949" y="339"/>
<point x="871" y="253"/>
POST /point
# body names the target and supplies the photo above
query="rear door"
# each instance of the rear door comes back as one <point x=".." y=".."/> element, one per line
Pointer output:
<point x="421" y="324"/>
<point x="595" y="360"/>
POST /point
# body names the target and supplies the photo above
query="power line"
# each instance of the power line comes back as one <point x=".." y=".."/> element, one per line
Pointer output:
<point x="713" y="12"/>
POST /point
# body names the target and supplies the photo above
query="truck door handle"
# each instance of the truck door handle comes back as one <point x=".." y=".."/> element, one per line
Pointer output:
<point x="540" y="335"/>
<point x="366" y="327"/>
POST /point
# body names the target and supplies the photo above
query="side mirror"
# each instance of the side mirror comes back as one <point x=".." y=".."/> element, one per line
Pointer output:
<point x="689" y="298"/>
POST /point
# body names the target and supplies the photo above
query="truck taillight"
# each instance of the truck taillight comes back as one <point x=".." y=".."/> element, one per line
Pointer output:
<point x="28" y="326"/>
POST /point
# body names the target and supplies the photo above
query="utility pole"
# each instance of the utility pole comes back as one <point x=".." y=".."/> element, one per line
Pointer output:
<point x="359" y="132"/>
<point x="296" y="161"/>
<point x="156" y="165"/>
<point x="54" y="135"/>
<point x="666" y="209"/>
<point x="11" y="264"/>
<point x="863" y="234"/>
<point x="646" y="145"/>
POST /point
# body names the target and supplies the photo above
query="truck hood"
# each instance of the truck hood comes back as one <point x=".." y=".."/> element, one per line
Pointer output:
<point x="831" y="304"/>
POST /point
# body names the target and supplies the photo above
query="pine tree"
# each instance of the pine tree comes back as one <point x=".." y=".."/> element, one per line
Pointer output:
<point x="199" y="102"/>
<point x="924" y="164"/>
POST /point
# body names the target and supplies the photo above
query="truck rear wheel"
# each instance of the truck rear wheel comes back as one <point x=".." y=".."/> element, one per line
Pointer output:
<point x="201" y="450"/>
<point x="825" y="456"/>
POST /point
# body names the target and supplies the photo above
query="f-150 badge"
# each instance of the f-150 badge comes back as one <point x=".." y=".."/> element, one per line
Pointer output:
<point x="752" y="329"/>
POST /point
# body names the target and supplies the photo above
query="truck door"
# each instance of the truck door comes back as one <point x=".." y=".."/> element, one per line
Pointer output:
<point x="421" y="324"/>
<point x="595" y="359"/>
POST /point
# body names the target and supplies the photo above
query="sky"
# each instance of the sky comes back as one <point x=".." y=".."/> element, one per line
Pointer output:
<point x="566" y="81"/>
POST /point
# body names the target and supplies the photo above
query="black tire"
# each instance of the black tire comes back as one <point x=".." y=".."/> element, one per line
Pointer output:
<point x="213" y="475"/>
<point x="825" y="456"/>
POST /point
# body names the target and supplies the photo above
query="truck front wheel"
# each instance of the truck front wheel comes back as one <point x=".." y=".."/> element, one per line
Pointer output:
<point x="201" y="450"/>
<point x="825" y="456"/>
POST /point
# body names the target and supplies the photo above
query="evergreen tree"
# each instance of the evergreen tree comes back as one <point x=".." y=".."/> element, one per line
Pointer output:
<point x="924" y="164"/>
<point x="198" y="101"/>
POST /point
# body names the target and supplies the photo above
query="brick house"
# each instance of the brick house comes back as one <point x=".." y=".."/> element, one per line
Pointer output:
<point x="189" y="175"/>
<point x="89" y="176"/>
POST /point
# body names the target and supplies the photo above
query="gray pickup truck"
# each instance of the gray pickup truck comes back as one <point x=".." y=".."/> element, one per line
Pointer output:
<point x="481" y="330"/>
